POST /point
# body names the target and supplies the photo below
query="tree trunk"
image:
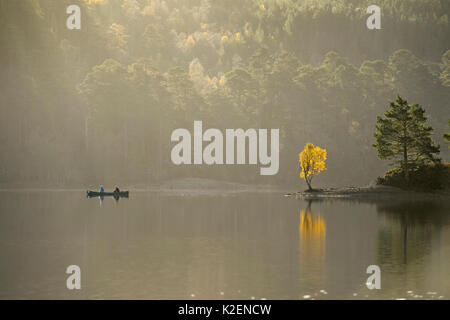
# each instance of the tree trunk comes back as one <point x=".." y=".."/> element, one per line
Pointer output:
<point x="405" y="162"/>
<point x="309" y="184"/>
<point x="405" y="154"/>
<point x="306" y="177"/>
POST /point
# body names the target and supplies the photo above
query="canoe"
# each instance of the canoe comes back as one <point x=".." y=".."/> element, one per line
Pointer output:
<point x="122" y="194"/>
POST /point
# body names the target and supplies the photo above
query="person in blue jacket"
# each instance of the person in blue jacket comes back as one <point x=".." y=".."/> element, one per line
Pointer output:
<point x="101" y="188"/>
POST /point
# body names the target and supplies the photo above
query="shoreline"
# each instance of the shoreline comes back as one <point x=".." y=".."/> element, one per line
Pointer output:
<point x="201" y="186"/>
<point x="369" y="193"/>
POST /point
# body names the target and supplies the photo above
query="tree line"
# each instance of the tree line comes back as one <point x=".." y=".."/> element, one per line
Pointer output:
<point x="99" y="104"/>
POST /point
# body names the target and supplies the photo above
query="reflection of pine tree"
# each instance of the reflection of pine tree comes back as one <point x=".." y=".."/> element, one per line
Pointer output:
<point x="407" y="238"/>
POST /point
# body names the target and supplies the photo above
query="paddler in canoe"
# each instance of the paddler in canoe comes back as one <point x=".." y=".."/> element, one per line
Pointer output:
<point x="116" y="193"/>
<point x="102" y="193"/>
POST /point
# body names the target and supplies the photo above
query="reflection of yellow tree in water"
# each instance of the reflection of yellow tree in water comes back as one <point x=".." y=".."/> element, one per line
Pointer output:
<point x="312" y="236"/>
<point x="311" y="226"/>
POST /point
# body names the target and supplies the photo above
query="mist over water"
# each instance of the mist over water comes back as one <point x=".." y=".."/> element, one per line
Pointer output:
<point x="241" y="246"/>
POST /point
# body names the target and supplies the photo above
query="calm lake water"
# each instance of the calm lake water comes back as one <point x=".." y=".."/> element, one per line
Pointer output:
<point x="236" y="246"/>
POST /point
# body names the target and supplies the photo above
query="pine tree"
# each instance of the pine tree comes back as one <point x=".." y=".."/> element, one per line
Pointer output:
<point x="403" y="136"/>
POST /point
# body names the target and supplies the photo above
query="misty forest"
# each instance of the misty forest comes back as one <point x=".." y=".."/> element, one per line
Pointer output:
<point x="98" y="105"/>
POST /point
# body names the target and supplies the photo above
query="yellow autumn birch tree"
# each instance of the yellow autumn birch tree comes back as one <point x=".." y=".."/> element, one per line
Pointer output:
<point x="312" y="162"/>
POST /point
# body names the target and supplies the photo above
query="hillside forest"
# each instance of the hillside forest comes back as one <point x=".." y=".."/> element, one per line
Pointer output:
<point x="98" y="105"/>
